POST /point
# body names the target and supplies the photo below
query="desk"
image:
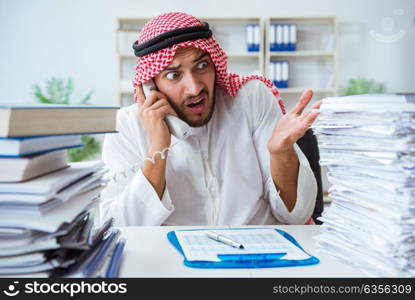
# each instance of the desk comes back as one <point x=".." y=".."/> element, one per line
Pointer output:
<point x="148" y="253"/>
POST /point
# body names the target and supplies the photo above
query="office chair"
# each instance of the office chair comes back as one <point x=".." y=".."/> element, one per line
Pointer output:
<point x="308" y="144"/>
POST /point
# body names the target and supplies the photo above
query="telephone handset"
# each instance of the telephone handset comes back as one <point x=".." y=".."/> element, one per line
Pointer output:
<point x="177" y="127"/>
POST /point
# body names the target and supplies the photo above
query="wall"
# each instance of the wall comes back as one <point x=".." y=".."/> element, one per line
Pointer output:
<point x="45" y="38"/>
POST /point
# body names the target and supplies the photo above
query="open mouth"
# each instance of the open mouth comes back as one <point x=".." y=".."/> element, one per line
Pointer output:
<point x="197" y="106"/>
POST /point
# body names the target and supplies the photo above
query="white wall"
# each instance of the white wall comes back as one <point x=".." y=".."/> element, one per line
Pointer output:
<point x="45" y="38"/>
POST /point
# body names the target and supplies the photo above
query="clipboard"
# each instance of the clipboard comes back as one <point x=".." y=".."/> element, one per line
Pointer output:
<point x="247" y="261"/>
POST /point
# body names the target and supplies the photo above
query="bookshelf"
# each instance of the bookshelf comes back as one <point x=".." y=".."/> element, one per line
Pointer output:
<point x="314" y="62"/>
<point x="313" y="65"/>
<point x="126" y="34"/>
<point x="230" y="33"/>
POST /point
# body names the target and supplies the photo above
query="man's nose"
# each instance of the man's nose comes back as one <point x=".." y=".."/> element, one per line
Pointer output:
<point x="193" y="86"/>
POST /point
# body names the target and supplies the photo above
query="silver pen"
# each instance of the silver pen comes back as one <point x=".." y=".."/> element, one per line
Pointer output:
<point x="223" y="239"/>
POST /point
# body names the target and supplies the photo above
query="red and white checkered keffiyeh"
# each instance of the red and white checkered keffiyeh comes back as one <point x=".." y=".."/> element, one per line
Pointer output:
<point x="154" y="63"/>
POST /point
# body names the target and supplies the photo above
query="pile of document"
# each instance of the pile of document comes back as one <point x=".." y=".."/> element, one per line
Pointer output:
<point x="49" y="210"/>
<point x="50" y="225"/>
<point x="368" y="144"/>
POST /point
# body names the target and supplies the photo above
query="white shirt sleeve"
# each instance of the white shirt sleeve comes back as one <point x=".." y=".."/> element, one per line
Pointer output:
<point x="129" y="197"/>
<point x="266" y="113"/>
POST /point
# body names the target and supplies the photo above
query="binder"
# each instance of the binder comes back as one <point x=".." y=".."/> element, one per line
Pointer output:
<point x="285" y="74"/>
<point x="272" y="37"/>
<point x="280" y="73"/>
<point x="285" y="37"/>
<point x="279" y="37"/>
<point x="292" y="46"/>
<point x="252" y="37"/>
<point x="256" y="38"/>
<point x="247" y="260"/>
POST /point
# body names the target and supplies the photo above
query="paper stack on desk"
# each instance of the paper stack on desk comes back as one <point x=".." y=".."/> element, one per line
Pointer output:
<point x="368" y="144"/>
<point x="49" y="221"/>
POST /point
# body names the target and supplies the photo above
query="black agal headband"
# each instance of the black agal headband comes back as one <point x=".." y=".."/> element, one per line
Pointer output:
<point x="172" y="37"/>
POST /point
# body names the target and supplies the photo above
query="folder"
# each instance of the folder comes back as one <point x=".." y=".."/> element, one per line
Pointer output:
<point x="285" y="37"/>
<point x="293" y="38"/>
<point x="285" y="74"/>
<point x="252" y="37"/>
<point x="258" y="260"/>
<point x="272" y="37"/>
<point x="280" y="73"/>
<point x="279" y="37"/>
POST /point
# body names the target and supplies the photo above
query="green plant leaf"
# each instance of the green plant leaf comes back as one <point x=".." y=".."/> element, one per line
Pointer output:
<point x="363" y="86"/>
<point x="56" y="92"/>
<point x="68" y="91"/>
<point x="39" y="94"/>
<point x="85" y="101"/>
<point x="92" y="147"/>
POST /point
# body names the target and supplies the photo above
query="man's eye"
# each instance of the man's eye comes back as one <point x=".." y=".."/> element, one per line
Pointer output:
<point x="171" y="75"/>
<point x="202" y="65"/>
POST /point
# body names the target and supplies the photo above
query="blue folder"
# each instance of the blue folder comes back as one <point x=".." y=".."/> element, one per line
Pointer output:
<point x="247" y="260"/>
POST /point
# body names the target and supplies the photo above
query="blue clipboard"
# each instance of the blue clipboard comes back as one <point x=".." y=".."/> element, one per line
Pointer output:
<point x="247" y="261"/>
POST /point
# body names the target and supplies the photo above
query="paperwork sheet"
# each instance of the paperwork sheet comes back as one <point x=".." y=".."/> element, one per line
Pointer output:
<point x="197" y="246"/>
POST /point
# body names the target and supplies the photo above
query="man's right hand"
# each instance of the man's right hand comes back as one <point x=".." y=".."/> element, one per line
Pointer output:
<point x="151" y="112"/>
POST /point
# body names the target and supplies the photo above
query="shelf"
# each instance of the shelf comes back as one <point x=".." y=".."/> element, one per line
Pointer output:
<point x="244" y="55"/>
<point x="304" y="18"/>
<point x="230" y="19"/>
<point x="314" y="64"/>
<point x="302" y="53"/>
<point x="300" y="90"/>
<point x="234" y="54"/>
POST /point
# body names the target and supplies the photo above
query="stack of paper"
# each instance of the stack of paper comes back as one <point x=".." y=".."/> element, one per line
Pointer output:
<point x="368" y="144"/>
<point x="49" y="221"/>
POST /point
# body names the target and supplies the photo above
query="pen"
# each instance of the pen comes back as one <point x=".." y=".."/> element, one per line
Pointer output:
<point x="223" y="239"/>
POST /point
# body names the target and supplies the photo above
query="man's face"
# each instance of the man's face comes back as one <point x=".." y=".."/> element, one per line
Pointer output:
<point x="189" y="84"/>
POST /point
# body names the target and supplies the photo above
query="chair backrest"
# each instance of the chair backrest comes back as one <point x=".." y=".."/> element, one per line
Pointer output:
<point x="308" y="144"/>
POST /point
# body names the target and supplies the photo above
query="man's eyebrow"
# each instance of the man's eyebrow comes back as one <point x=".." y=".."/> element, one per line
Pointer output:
<point x="200" y="57"/>
<point x="172" y="68"/>
<point x="175" y="68"/>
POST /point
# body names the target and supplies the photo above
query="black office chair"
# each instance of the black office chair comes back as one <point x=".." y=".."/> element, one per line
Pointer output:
<point x="308" y="144"/>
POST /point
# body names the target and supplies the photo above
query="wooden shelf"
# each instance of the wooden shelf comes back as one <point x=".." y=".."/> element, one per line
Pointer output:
<point x="301" y="53"/>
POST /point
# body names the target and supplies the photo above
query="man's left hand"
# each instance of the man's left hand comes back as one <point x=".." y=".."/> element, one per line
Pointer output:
<point x="293" y="125"/>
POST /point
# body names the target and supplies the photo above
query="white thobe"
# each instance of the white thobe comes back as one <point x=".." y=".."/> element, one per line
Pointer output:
<point x="219" y="175"/>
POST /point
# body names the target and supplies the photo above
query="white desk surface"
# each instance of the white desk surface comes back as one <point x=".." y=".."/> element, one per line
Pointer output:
<point x="148" y="253"/>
